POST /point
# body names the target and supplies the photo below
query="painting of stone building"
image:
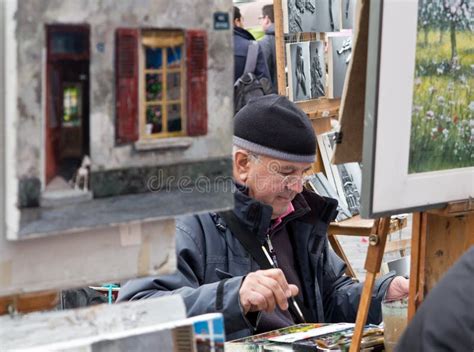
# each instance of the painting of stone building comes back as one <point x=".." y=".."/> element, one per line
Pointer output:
<point x="115" y="122"/>
<point x="99" y="109"/>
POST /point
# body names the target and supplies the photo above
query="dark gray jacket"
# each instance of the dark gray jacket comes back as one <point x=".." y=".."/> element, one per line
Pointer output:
<point x="212" y="264"/>
<point x="267" y="44"/>
<point x="445" y="319"/>
<point x="242" y="39"/>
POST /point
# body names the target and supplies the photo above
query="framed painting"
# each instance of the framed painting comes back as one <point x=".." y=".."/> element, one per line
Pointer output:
<point x="419" y="129"/>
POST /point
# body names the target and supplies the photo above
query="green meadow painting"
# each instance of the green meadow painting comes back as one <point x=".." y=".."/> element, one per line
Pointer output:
<point x="442" y="125"/>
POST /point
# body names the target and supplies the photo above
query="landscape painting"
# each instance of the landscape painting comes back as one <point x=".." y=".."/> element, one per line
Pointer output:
<point x="442" y="122"/>
<point x="419" y="128"/>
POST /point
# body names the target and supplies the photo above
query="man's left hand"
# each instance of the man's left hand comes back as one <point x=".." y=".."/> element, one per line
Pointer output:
<point x="397" y="289"/>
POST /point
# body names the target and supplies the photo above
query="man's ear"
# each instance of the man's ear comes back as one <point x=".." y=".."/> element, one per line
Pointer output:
<point x="241" y="166"/>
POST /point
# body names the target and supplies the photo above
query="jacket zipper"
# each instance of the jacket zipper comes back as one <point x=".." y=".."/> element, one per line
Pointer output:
<point x="271" y="250"/>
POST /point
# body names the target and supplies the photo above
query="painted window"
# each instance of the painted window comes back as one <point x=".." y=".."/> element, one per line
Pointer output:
<point x="161" y="84"/>
<point x="162" y="77"/>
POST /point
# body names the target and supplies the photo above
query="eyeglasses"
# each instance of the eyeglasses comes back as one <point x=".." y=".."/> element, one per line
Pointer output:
<point x="261" y="18"/>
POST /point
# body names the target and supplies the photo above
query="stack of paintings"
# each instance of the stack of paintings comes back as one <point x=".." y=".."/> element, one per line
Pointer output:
<point x="307" y="61"/>
<point x="346" y="179"/>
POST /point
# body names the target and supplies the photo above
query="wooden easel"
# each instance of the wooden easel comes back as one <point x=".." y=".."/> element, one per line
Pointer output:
<point x="372" y="264"/>
<point x="439" y="238"/>
<point x="29" y="302"/>
<point x="356" y="226"/>
<point x="429" y="259"/>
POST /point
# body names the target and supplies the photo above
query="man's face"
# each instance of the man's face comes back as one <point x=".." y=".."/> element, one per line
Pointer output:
<point x="275" y="182"/>
<point x="239" y="22"/>
<point x="265" y="20"/>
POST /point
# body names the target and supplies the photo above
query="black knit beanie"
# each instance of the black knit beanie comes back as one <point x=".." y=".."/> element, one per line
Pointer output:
<point x="272" y="125"/>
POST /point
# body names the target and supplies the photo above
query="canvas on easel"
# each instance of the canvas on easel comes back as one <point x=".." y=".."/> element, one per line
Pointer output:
<point x="418" y="133"/>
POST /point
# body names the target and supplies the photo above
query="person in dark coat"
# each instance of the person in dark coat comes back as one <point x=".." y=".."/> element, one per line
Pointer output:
<point x="274" y="145"/>
<point x="267" y="43"/>
<point x="242" y="39"/>
<point x="445" y="319"/>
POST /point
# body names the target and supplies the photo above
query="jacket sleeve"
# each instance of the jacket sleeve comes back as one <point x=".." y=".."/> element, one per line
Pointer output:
<point x="261" y="69"/>
<point x="264" y="44"/>
<point x="221" y="296"/>
<point x="341" y="294"/>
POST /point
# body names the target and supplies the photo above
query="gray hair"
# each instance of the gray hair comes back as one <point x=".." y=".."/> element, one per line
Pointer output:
<point x="255" y="157"/>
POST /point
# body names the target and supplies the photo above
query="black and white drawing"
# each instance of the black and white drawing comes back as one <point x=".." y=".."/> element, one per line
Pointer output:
<point x="326" y="143"/>
<point x="350" y="174"/>
<point x="318" y="69"/>
<point x="311" y="15"/>
<point x="299" y="76"/>
<point x="346" y="179"/>
<point x="348" y="8"/>
<point x="320" y="184"/>
<point x="299" y="72"/>
<point x="339" y="56"/>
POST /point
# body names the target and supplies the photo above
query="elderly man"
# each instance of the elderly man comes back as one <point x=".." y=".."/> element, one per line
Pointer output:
<point x="274" y="145"/>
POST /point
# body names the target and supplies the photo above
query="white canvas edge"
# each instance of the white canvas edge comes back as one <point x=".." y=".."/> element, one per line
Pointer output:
<point x="2" y="119"/>
<point x="12" y="213"/>
<point x="393" y="187"/>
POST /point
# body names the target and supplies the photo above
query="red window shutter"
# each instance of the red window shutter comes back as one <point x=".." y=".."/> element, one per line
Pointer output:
<point x="126" y="73"/>
<point x="196" y="55"/>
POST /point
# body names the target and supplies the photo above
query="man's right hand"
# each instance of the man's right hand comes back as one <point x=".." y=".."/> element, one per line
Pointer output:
<point x="264" y="289"/>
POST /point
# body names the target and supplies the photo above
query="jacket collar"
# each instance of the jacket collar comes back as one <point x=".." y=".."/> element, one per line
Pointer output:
<point x="256" y="216"/>
<point x="270" y="30"/>
<point x="243" y="33"/>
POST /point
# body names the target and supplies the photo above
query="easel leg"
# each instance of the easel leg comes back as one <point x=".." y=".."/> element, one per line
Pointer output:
<point x="415" y="264"/>
<point x="336" y="246"/>
<point x="372" y="265"/>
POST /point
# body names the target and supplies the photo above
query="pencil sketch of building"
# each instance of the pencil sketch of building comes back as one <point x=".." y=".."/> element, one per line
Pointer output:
<point x="351" y="192"/>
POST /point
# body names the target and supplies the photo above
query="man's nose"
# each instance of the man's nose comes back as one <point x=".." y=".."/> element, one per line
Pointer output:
<point x="295" y="183"/>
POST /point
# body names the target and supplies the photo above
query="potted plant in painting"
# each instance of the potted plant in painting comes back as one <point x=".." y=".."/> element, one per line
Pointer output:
<point x="153" y="120"/>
